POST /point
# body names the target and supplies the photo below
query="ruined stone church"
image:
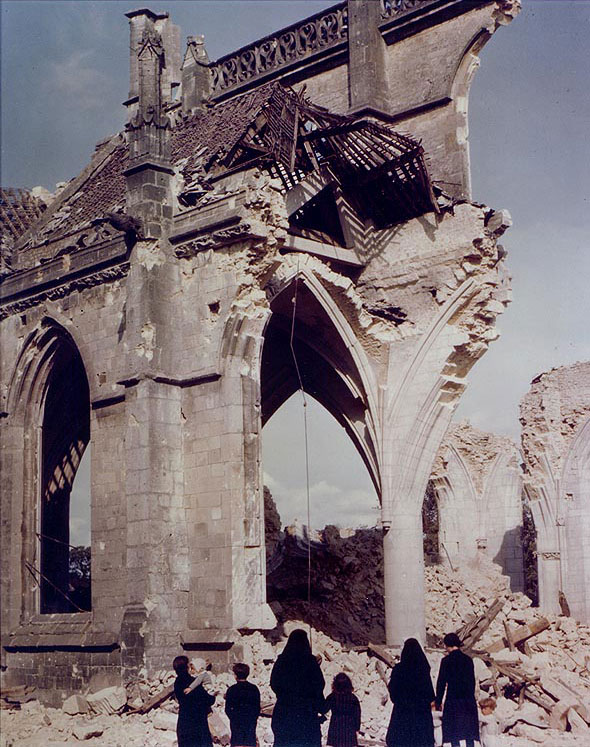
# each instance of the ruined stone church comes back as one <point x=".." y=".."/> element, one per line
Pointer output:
<point x="296" y="214"/>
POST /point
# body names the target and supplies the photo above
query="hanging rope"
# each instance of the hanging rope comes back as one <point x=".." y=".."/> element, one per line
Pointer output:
<point x="32" y="570"/>
<point x="304" y="399"/>
<point x="53" y="539"/>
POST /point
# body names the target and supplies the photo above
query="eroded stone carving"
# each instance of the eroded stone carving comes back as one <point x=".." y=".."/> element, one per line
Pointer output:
<point x="95" y="278"/>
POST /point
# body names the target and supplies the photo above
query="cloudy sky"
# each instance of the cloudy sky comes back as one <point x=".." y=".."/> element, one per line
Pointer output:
<point x="65" y="73"/>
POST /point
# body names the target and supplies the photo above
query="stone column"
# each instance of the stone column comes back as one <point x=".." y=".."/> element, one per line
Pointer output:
<point x="367" y="86"/>
<point x="403" y="569"/>
<point x="549" y="570"/>
<point x="157" y="551"/>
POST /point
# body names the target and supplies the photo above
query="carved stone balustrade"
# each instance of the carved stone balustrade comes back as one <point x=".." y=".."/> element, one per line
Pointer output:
<point x="304" y="39"/>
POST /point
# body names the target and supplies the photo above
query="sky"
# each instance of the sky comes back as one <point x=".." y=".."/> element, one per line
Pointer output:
<point x="64" y="75"/>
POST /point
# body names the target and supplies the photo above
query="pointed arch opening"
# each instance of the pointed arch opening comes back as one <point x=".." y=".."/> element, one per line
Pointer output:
<point x="576" y="545"/>
<point x="431" y="526"/>
<point x="303" y="347"/>
<point x="65" y="434"/>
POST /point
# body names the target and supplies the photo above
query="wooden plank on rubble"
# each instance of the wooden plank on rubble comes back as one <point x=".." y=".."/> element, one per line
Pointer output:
<point x="529" y="686"/>
<point x="520" y="635"/>
<point x="382" y="653"/>
<point x="155" y="700"/>
<point x="509" y="637"/>
<point x="472" y="631"/>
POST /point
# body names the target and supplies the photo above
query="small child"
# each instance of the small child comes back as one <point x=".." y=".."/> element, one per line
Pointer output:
<point x="490" y="729"/>
<point x="201" y="678"/>
<point x="346" y="713"/>
<point x="242" y="707"/>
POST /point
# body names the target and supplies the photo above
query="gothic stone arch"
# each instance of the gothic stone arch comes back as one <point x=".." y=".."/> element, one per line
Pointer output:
<point x="45" y="434"/>
<point x="477" y="479"/>
<point x="178" y="278"/>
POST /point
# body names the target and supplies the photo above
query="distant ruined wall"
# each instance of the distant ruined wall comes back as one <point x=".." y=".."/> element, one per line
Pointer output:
<point x="479" y="485"/>
<point x="555" y="418"/>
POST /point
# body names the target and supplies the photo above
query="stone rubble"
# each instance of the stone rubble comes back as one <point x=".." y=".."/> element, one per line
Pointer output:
<point x="559" y="656"/>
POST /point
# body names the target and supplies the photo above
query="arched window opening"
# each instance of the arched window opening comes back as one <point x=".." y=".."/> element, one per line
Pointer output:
<point x="65" y="436"/>
<point x="529" y="547"/>
<point x="80" y="534"/>
<point x="344" y="541"/>
<point x="341" y="590"/>
<point x="430" y="526"/>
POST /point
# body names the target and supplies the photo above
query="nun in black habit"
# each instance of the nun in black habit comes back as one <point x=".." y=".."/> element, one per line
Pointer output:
<point x="456" y="675"/>
<point x="192" y="727"/>
<point x="298" y="683"/>
<point x="412" y="694"/>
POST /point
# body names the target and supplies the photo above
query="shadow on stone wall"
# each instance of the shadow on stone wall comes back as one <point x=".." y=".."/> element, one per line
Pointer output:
<point x="509" y="558"/>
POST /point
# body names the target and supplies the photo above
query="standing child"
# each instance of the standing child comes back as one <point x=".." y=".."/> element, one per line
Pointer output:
<point x="242" y="706"/>
<point x="346" y="713"/>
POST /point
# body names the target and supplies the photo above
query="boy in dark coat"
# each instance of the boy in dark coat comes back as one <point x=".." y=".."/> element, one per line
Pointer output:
<point x="242" y="706"/>
<point x="456" y="675"/>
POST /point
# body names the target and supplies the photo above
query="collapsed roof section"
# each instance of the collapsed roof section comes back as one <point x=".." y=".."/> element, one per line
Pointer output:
<point x="380" y="172"/>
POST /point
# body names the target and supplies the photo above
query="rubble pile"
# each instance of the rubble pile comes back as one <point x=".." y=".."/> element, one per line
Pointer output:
<point x="346" y="589"/>
<point x="537" y="668"/>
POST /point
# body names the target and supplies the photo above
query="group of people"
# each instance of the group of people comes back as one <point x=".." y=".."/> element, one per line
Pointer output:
<point x="301" y="707"/>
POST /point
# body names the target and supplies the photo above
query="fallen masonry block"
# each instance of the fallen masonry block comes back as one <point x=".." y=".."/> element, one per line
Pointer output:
<point x="533" y="733"/>
<point x="381" y="672"/>
<point x="266" y="708"/>
<point x="14" y="696"/>
<point x="560" y="691"/>
<point x="86" y="731"/>
<point x="75" y="704"/>
<point x="219" y="729"/>
<point x="576" y="723"/>
<point x="155" y="700"/>
<point x="382" y="653"/>
<point x="110" y="700"/>
<point x="559" y="717"/>
<point x="165" y="721"/>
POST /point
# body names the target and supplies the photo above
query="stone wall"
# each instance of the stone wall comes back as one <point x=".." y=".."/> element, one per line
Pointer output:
<point x="555" y="417"/>
<point x="478" y="483"/>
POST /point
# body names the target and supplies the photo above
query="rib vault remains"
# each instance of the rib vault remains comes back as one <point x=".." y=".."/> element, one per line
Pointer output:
<point x="148" y="310"/>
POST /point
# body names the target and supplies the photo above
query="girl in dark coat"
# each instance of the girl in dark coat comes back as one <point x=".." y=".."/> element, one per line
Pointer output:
<point x="192" y="727"/>
<point x="411" y="691"/>
<point x="457" y="676"/>
<point x="298" y="683"/>
<point x="346" y="713"/>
